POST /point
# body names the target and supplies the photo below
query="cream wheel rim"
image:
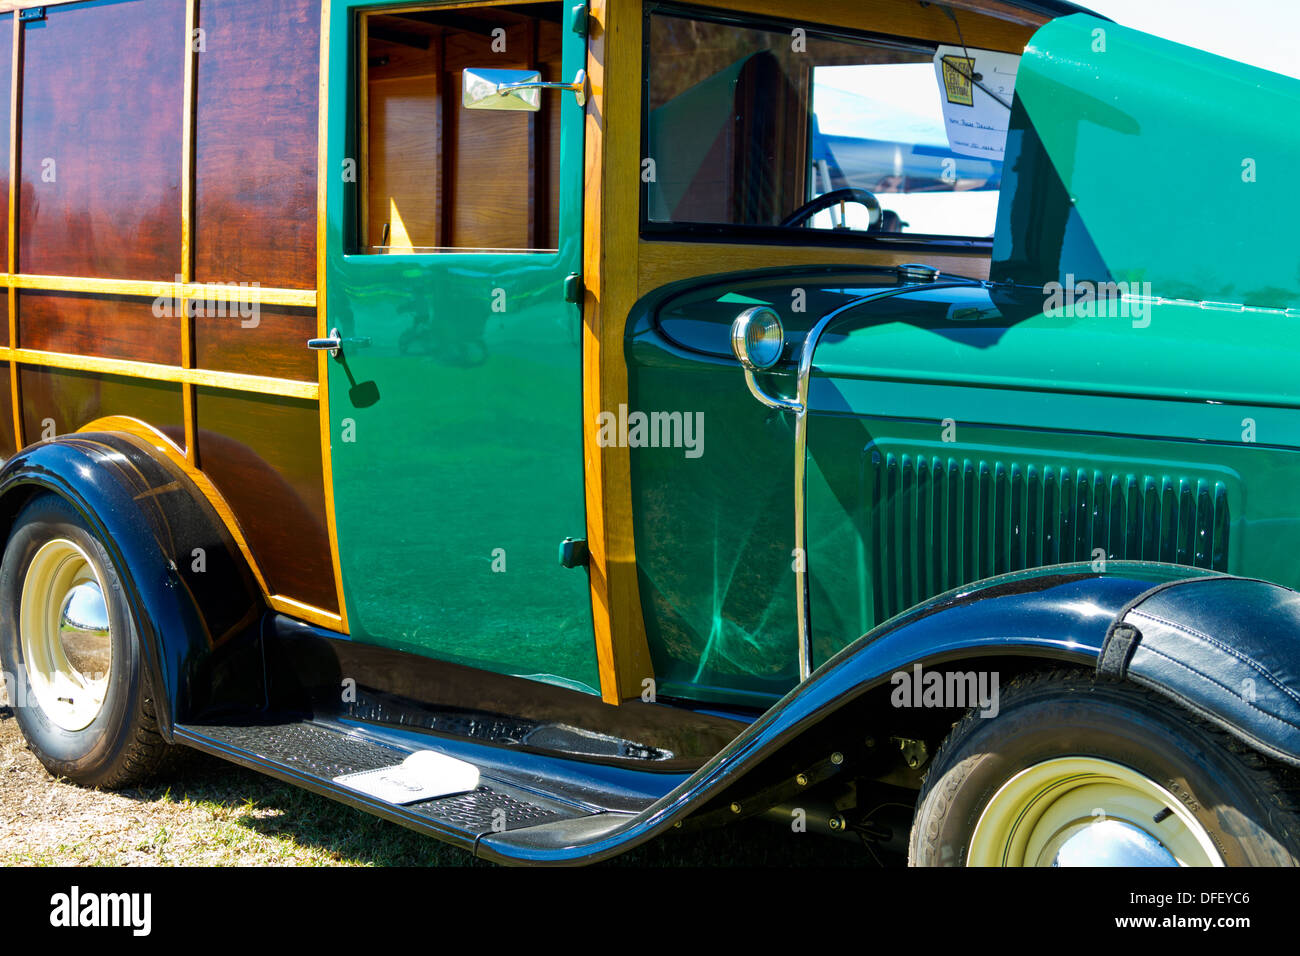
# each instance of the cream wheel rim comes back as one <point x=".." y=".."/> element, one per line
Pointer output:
<point x="65" y="634"/>
<point x="1085" y="811"/>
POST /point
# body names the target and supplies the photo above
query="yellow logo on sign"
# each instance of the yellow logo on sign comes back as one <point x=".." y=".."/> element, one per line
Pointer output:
<point x="957" y="85"/>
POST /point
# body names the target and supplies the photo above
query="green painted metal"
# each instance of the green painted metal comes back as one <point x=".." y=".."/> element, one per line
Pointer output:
<point x="453" y="491"/>
<point x="944" y="449"/>
<point x="1178" y="164"/>
<point x="958" y="434"/>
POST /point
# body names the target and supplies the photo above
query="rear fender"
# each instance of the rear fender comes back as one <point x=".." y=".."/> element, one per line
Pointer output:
<point x="196" y="605"/>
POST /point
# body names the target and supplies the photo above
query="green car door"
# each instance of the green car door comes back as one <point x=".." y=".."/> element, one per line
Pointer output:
<point x="455" y="398"/>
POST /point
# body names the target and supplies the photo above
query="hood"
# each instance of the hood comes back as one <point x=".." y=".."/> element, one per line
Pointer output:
<point x="1135" y="159"/>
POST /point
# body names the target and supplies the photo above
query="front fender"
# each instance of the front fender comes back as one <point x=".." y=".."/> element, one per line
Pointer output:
<point x="1061" y="613"/>
<point x="196" y="619"/>
<point x="1226" y="648"/>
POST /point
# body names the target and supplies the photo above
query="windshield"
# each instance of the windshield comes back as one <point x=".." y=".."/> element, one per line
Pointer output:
<point x="751" y="127"/>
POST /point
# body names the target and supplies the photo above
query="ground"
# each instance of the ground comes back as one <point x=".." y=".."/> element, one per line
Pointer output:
<point x="211" y="813"/>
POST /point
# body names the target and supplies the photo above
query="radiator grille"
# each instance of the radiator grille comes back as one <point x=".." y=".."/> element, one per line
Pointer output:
<point x="940" y="522"/>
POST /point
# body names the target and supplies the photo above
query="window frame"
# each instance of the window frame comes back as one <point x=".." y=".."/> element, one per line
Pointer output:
<point x="357" y="238"/>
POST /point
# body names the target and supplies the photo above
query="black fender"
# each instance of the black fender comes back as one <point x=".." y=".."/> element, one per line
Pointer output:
<point x="199" y="626"/>
<point x="1060" y="614"/>
<point x="1224" y="647"/>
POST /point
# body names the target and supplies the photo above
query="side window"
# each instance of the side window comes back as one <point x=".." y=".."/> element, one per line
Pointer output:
<point x="748" y="129"/>
<point x="436" y="177"/>
<point x="882" y="127"/>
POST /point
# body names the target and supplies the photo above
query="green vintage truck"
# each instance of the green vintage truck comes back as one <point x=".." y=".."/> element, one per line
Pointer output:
<point x="547" y="425"/>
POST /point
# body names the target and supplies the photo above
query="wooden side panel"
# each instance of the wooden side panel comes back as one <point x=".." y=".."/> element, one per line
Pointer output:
<point x="100" y="146"/>
<point x="659" y="263"/>
<point x="255" y="142"/>
<point x="7" y="444"/>
<point x="6" y="86"/>
<point x="611" y="196"/>
<point x="58" y="402"/>
<point x="271" y="341"/>
<point x="264" y="456"/>
<point x="123" y="327"/>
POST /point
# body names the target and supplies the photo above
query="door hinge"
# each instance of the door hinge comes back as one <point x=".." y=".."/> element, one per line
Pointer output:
<point x="578" y="19"/>
<point x="573" y="288"/>
<point x="574" y="553"/>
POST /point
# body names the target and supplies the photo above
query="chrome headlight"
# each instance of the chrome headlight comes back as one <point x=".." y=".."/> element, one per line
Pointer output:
<point x="757" y="338"/>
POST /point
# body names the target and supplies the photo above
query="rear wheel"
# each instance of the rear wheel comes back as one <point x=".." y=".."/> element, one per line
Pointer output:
<point x="1077" y="773"/>
<point x="83" y="698"/>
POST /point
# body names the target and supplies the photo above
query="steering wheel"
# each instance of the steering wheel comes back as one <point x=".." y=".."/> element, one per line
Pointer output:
<point x="834" y="198"/>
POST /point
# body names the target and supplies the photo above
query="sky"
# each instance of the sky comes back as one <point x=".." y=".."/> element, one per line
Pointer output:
<point x="1263" y="33"/>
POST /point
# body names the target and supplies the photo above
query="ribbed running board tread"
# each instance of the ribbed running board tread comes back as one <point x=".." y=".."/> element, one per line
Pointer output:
<point x="325" y="753"/>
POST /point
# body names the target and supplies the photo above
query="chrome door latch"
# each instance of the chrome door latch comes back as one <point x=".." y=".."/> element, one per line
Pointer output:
<point x="334" y="343"/>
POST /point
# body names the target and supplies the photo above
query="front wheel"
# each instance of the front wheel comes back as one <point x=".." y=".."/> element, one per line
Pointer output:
<point x="83" y="698"/>
<point x="1077" y="773"/>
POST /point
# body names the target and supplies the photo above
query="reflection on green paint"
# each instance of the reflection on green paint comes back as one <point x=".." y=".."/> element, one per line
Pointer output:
<point x="453" y="490"/>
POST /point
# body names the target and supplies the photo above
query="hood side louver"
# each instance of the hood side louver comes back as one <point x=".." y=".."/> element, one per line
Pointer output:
<point x="940" y="522"/>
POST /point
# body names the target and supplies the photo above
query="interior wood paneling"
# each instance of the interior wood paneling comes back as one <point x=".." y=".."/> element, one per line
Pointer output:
<point x="263" y="454"/>
<point x="255" y="142"/>
<point x="122" y="327"/>
<point x="1007" y="29"/>
<point x="440" y="176"/>
<point x="100" y="142"/>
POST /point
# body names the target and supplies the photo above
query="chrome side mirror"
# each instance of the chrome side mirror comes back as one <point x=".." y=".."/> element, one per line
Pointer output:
<point x="515" y="90"/>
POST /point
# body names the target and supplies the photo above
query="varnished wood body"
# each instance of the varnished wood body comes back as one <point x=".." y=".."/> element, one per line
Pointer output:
<point x="159" y="143"/>
<point x="204" y="164"/>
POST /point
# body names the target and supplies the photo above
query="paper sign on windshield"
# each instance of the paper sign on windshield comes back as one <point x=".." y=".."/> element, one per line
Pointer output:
<point x="975" y="88"/>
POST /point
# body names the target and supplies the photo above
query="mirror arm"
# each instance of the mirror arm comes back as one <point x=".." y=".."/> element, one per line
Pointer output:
<point x="578" y="86"/>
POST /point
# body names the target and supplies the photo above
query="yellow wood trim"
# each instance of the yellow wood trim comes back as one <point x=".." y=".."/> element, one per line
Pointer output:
<point x="306" y="612"/>
<point x="15" y="80"/>
<point x="235" y="381"/>
<point x="612" y="197"/>
<point x="187" y="146"/>
<point x="187" y="227"/>
<point x="985" y="24"/>
<point x="168" y="448"/>
<point x="340" y="621"/>
<point x="214" y="292"/>
<point x="363" y="128"/>
<point x="659" y="262"/>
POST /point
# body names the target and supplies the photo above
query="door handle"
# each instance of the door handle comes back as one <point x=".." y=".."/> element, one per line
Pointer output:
<point x="334" y="343"/>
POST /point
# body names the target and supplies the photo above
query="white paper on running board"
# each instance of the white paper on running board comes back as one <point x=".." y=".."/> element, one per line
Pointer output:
<point x="421" y="776"/>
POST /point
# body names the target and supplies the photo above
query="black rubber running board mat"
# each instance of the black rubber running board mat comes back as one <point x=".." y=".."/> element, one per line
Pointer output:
<point x="313" y="755"/>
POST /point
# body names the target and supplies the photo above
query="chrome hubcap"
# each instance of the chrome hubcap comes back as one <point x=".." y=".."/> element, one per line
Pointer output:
<point x="65" y="634"/>
<point x="1085" y="811"/>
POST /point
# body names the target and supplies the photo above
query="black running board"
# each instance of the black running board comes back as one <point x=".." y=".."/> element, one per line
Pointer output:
<point x="311" y="754"/>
